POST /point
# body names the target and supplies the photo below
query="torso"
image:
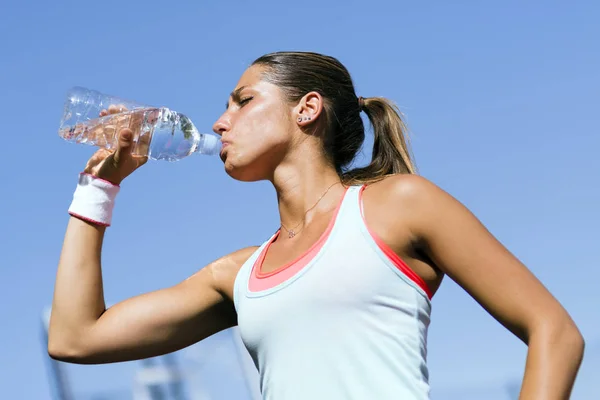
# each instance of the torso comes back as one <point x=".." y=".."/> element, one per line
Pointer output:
<point x="382" y="258"/>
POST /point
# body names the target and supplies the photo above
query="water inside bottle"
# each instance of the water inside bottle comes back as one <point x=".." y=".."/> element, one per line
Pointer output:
<point x="159" y="133"/>
<point x="102" y="131"/>
<point x="174" y="136"/>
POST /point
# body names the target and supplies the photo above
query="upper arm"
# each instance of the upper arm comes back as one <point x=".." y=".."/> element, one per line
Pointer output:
<point x="169" y="319"/>
<point x="459" y="244"/>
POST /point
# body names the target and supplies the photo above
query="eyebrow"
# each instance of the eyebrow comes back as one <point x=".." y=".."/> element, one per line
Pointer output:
<point x="235" y="95"/>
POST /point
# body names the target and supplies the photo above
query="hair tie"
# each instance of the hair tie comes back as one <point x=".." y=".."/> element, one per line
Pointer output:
<point x="361" y="103"/>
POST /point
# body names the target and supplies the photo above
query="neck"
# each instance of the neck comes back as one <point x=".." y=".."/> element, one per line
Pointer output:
<point x="300" y="183"/>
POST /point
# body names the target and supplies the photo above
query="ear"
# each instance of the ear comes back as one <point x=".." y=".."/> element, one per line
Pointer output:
<point x="309" y="108"/>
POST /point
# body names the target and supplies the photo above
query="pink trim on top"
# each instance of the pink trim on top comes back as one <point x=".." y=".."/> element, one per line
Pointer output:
<point x="100" y="179"/>
<point x="260" y="281"/>
<point x="391" y="254"/>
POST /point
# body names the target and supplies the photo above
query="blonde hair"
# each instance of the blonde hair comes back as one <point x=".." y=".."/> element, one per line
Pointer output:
<point x="391" y="145"/>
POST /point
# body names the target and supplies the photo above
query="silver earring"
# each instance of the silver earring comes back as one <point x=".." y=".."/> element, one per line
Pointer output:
<point x="299" y="119"/>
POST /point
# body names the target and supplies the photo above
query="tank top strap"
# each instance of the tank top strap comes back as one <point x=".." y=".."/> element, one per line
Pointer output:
<point x="351" y="211"/>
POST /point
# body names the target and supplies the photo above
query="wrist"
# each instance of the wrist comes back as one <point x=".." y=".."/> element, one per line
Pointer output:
<point x="94" y="200"/>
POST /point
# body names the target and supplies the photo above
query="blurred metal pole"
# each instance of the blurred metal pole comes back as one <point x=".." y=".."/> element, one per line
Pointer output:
<point x="59" y="385"/>
<point x="155" y="377"/>
<point x="513" y="388"/>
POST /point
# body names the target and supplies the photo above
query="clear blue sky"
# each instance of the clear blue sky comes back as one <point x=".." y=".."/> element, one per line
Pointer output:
<point x="502" y="101"/>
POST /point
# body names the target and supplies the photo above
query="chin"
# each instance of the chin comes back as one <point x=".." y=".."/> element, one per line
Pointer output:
<point x="243" y="173"/>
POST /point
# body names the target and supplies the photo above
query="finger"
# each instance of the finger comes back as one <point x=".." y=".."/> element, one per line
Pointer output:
<point x="143" y="143"/>
<point x="136" y="120"/>
<point x="95" y="160"/>
<point x="140" y="160"/>
<point x="124" y="145"/>
<point x="104" y="113"/>
<point x="113" y="109"/>
<point x="116" y="108"/>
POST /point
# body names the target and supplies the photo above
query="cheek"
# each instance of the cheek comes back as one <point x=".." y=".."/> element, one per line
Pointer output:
<point x="260" y="138"/>
<point x="263" y="130"/>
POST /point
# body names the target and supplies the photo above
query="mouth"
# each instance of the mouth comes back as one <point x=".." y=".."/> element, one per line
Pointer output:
<point x="224" y="146"/>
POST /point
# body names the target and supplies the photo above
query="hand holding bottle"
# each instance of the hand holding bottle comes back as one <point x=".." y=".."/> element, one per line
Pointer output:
<point x="114" y="166"/>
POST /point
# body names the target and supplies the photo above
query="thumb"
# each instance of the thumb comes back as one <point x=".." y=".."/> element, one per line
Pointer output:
<point x="124" y="144"/>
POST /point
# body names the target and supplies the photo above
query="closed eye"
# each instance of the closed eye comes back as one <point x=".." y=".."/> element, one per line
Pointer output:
<point x="236" y="97"/>
<point x="244" y="101"/>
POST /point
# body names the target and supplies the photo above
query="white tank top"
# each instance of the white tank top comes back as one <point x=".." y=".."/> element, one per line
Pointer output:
<point x="347" y="320"/>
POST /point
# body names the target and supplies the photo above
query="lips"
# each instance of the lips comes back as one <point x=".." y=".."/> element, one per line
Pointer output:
<point x="224" y="146"/>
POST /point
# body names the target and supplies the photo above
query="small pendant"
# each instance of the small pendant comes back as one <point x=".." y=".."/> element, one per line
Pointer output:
<point x="291" y="234"/>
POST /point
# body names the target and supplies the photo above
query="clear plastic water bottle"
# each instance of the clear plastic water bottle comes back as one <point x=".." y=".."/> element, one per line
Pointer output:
<point x="158" y="132"/>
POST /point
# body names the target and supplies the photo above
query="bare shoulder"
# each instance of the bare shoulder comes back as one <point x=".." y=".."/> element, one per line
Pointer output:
<point x="409" y="191"/>
<point x="421" y="203"/>
<point x="222" y="272"/>
<point x="229" y="265"/>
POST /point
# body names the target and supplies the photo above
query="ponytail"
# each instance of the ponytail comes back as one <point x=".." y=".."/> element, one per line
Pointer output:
<point x="391" y="150"/>
<point x="298" y="73"/>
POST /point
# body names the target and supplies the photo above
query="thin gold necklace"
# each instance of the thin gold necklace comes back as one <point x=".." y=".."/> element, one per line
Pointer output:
<point x="292" y="232"/>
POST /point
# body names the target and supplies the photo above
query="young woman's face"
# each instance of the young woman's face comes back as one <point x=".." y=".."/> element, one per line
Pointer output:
<point x="256" y="128"/>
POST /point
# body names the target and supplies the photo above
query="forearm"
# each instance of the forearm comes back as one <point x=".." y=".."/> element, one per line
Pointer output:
<point x="78" y="294"/>
<point x="553" y="359"/>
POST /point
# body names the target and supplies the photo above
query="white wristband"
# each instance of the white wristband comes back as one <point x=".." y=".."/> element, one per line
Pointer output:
<point x="94" y="200"/>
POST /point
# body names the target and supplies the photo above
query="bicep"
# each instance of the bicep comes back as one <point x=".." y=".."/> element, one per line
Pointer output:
<point x="460" y="245"/>
<point x="159" y="322"/>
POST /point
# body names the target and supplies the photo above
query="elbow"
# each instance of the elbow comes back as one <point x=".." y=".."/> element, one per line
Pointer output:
<point x="571" y="336"/>
<point x="568" y="343"/>
<point x="562" y="335"/>
<point x="576" y="341"/>
<point x="65" y="350"/>
<point x="61" y="351"/>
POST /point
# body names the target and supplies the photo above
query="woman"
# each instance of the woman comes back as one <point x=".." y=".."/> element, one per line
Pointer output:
<point x="336" y="304"/>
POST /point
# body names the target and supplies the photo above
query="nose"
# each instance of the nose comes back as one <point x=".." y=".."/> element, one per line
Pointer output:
<point x="222" y="125"/>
